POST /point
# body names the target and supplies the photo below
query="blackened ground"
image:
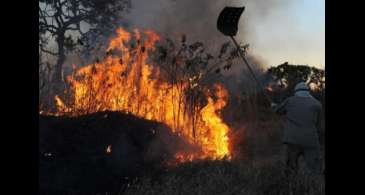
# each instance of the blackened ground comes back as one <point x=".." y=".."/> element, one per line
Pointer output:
<point x="74" y="158"/>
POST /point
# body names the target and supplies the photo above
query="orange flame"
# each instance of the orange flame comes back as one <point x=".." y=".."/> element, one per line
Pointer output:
<point x="128" y="83"/>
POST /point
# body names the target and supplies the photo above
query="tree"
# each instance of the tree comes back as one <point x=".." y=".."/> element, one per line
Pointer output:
<point x="289" y="75"/>
<point x="67" y="23"/>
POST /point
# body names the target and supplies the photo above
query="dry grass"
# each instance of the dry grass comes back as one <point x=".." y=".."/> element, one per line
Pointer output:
<point x="222" y="177"/>
<point x="257" y="170"/>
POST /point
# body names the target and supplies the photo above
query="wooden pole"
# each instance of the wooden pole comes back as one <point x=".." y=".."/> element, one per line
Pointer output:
<point x="249" y="68"/>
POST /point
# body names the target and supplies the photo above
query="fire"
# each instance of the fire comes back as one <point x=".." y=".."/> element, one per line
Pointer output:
<point x="125" y="81"/>
<point x="61" y="105"/>
<point x="109" y="149"/>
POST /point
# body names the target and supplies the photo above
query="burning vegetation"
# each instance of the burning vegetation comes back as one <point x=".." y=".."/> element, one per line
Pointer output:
<point x="146" y="104"/>
<point x="130" y="79"/>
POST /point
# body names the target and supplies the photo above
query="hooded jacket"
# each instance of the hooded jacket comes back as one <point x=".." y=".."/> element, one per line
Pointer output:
<point x="303" y="118"/>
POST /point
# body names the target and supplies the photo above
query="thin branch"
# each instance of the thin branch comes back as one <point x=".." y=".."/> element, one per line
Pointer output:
<point x="76" y="19"/>
<point x="49" y="52"/>
<point x="50" y="28"/>
<point x="58" y="14"/>
<point x="70" y="28"/>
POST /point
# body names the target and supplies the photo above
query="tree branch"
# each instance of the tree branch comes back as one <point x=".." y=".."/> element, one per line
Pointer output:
<point x="76" y="19"/>
<point x="58" y="15"/>
<point x="70" y="28"/>
<point x="49" y="52"/>
<point x="49" y="28"/>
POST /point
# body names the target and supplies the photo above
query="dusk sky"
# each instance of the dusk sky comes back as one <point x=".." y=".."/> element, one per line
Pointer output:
<point x="277" y="30"/>
<point x="294" y="33"/>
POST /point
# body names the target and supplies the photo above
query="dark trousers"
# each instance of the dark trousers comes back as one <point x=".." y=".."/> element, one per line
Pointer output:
<point x="311" y="157"/>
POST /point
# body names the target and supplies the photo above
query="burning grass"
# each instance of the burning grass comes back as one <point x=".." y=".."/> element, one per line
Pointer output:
<point x="257" y="167"/>
<point x="126" y="80"/>
<point x="176" y="93"/>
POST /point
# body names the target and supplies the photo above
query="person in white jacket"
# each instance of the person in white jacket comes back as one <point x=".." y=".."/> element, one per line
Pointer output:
<point x="301" y="130"/>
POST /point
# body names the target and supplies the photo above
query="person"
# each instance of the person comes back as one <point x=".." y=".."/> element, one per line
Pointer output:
<point x="301" y="130"/>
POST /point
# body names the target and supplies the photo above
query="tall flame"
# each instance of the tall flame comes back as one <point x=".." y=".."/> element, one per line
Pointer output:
<point x="126" y="82"/>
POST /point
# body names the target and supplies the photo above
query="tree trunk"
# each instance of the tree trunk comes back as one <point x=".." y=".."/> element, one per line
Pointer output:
<point x="57" y="76"/>
<point x="57" y="79"/>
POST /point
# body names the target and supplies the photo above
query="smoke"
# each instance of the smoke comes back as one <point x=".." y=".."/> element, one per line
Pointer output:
<point x="197" y="20"/>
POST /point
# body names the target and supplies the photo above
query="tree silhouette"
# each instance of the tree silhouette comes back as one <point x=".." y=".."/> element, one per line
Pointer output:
<point x="287" y="76"/>
<point x="67" y="22"/>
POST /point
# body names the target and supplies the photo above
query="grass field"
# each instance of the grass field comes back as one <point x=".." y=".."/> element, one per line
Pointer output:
<point x="258" y="169"/>
<point x="222" y="177"/>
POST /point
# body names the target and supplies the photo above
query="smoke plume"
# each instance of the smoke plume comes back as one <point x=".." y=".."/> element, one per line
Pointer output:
<point x="197" y="20"/>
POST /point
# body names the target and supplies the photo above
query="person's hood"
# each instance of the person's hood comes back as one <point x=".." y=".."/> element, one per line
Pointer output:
<point x="301" y="86"/>
<point x="302" y="90"/>
<point x="303" y="94"/>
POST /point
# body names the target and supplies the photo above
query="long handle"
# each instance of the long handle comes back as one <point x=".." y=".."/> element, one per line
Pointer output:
<point x="249" y="68"/>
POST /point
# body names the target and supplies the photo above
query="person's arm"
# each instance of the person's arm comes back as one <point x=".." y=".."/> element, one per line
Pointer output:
<point x="281" y="108"/>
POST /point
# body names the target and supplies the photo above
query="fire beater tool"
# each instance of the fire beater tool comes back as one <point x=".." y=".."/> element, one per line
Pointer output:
<point x="228" y="25"/>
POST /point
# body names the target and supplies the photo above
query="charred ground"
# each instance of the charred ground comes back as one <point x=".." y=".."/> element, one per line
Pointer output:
<point x="101" y="151"/>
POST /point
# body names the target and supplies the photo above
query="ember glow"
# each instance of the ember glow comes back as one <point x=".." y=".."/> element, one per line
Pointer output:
<point x="269" y="88"/>
<point x="109" y="149"/>
<point x="125" y="81"/>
